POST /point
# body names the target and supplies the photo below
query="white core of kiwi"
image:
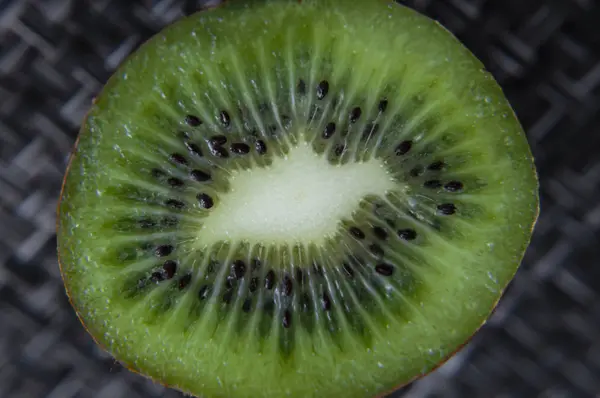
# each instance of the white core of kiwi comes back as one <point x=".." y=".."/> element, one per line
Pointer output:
<point x="299" y="198"/>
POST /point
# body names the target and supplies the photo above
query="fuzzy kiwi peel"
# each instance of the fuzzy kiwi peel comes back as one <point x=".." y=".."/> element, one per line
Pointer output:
<point x="292" y="198"/>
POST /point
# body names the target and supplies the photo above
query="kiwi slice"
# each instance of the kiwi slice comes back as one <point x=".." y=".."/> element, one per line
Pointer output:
<point x="302" y="199"/>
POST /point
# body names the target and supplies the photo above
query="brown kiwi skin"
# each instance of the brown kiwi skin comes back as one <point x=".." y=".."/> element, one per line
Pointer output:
<point x="133" y="368"/>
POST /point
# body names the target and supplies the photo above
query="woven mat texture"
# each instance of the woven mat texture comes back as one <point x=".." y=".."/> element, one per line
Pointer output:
<point x="544" y="338"/>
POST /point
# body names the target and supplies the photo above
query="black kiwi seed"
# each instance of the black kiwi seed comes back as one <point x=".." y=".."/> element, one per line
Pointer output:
<point x="203" y="293"/>
<point x="193" y="121"/>
<point x="175" y="204"/>
<point x="384" y="269"/>
<point x="247" y="305"/>
<point x="447" y="209"/>
<point x="261" y="147"/>
<point x="407" y="234"/>
<point x="157" y="277"/>
<point x="357" y="232"/>
<point x="169" y="268"/>
<point x="255" y="264"/>
<point x="224" y="118"/>
<point x="326" y="302"/>
<point x="348" y="270"/>
<point x="329" y="130"/>
<point x="253" y="284"/>
<point x="383" y="104"/>
<point x="286" y="321"/>
<point x="193" y="148"/>
<point x="376" y="250"/>
<point x="322" y="89"/>
<point x="286" y="286"/>
<point x="219" y="152"/>
<point x="436" y="166"/>
<point x="178" y="158"/>
<point x="270" y="280"/>
<point x="238" y="269"/>
<point x="403" y="148"/>
<point x="432" y="184"/>
<point x="301" y="87"/>
<point x="240" y="148"/>
<point x="380" y="233"/>
<point x="339" y="149"/>
<point x="454" y="186"/>
<point x="355" y="114"/>
<point x="184" y="281"/>
<point x="205" y="200"/>
<point x="217" y="140"/>
<point x="163" y="250"/>
<point x="175" y="182"/>
<point x="199" y="175"/>
<point x="416" y="171"/>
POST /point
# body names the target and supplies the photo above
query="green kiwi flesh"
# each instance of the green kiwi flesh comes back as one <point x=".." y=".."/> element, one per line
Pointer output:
<point x="301" y="199"/>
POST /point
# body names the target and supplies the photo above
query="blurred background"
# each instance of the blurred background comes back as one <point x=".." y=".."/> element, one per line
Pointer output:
<point x="544" y="338"/>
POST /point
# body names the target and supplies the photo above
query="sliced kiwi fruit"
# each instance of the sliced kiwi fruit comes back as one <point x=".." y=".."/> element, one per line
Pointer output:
<point x="301" y="199"/>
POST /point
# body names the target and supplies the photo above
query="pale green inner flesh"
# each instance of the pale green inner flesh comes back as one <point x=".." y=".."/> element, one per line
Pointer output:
<point x="299" y="199"/>
<point x="443" y="170"/>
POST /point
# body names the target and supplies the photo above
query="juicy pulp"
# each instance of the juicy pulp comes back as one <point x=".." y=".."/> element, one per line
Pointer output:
<point x="242" y="55"/>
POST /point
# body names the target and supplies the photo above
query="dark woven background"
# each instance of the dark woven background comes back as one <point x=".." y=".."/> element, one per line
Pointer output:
<point x="543" y="341"/>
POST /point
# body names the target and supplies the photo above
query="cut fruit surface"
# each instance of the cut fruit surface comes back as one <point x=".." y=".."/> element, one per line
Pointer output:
<point x="303" y="199"/>
<point x="298" y="199"/>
